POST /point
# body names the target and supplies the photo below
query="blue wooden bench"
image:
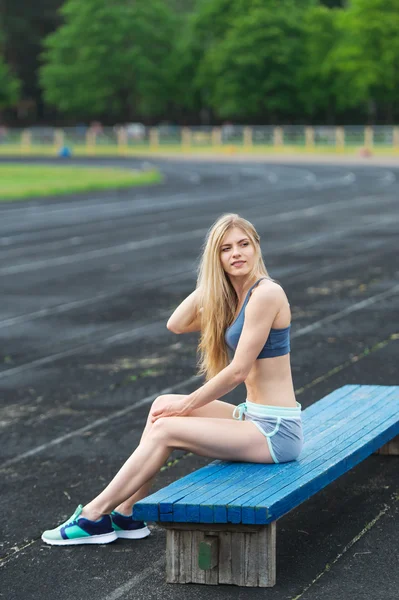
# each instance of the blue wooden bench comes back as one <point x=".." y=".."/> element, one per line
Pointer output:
<point x="220" y="520"/>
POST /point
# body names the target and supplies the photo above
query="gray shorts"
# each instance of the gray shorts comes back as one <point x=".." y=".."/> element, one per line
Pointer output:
<point x="281" y="425"/>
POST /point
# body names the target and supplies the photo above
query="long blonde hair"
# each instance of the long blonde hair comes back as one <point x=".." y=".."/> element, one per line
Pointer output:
<point x="217" y="296"/>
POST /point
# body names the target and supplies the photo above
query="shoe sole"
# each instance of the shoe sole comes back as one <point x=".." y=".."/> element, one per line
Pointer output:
<point x="133" y="534"/>
<point x="104" y="538"/>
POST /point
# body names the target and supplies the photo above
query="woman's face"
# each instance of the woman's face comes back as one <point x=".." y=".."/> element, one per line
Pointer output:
<point x="236" y="246"/>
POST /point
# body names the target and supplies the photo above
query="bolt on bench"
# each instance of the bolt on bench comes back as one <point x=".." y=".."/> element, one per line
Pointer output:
<point x="220" y="521"/>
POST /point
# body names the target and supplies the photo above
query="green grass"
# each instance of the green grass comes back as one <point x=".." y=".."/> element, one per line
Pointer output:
<point x="18" y="182"/>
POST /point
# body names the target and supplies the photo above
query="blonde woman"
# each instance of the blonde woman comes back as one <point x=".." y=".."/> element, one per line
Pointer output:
<point x="244" y="319"/>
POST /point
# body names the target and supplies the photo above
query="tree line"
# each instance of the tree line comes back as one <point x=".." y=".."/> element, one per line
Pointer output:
<point x="200" y="61"/>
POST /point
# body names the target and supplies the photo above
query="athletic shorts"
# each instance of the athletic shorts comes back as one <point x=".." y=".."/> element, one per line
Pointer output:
<point x="281" y="425"/>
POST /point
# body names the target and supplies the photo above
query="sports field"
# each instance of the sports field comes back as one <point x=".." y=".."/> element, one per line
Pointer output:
<point x="88" y="284"/>
<point x="19" y="181"/>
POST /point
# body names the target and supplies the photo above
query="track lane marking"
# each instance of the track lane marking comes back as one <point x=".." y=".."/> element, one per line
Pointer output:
<point x="296" y="334"/>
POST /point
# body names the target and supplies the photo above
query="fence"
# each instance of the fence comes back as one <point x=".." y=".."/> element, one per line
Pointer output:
<point x="227" y="137"/>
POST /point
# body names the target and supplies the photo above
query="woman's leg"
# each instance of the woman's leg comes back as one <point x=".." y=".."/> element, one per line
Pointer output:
<point x="126" y="507"/>
<point x="216" y="409"/>
<point x="214" y="438"/>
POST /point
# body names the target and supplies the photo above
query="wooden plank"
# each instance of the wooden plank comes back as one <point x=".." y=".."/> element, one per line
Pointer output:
<point x="212" y="574"/>
<point x="237" y="554"/>
<point x="174" y="490"/>
<point x="336" y="397"/>
<point x="319" y="478"/>
<point x="185" y="575"/>
<point x="337" y="438"/>
<point x="312" y="455"/>
<point x="172" y="556"/>
<point x="320" y="458"/>
<point x="225" y="560"/>
<point x="247" y="475"/>
<point x="313" y="450"/>
<point x="197" y="574"/>
<point x="211" y="528"/>
<point x="193" y="507"/>
<point x="267" y="556"/>
<point x="251" y="559"/>
<point x="197" y="482"/>
<point x="360" y="398"/>
<point x="323" y="409"/>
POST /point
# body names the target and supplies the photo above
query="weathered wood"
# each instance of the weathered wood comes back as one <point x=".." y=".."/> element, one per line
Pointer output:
<point x="225" y="564"/>
<point x="391" y="448"/>
<point x="214" y="527"/>
<point x="239" y="555"/>
<point x="185" y="556"/>
<point x="198" y="575"/>
<point x="267" y="556"/>
<point x="237" y="558"/>
<point x="172" y="556"/>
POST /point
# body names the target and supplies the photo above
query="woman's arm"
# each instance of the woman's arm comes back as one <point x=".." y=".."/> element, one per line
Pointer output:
<point x="187" y="316"/>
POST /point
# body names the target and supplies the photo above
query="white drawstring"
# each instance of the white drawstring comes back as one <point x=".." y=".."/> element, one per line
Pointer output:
<point x="241" y="408"/>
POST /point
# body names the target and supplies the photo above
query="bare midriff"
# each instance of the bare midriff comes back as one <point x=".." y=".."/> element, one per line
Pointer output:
<point x="270" y="382"/>
<point x="270" y="379"/>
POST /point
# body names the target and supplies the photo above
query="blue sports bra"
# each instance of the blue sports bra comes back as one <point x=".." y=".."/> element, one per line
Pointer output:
<point x="277" y="343"/>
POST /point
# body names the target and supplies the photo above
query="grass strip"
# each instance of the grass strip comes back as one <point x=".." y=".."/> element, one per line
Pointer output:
<point x="19" y="182"/>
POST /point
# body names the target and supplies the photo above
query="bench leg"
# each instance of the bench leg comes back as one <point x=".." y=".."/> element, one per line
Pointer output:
<point x="216" y="553"/>
<point x="391" y="448"/>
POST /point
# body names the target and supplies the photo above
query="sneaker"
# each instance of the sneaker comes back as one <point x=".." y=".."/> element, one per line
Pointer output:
<point x="78" y="530"/>
<point x="128" y="528"/>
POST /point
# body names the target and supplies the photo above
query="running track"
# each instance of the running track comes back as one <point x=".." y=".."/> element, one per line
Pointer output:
<point x="88" y="283"/>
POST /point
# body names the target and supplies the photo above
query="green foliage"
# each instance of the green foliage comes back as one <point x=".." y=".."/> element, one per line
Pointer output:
<point x="10" y="86"/>
<point x="109" y="58"/>
<point x="319" y="83"/>
<point x="249" y="68"/>
<point x="257" y="60"/>
<point x="368" y="53"/>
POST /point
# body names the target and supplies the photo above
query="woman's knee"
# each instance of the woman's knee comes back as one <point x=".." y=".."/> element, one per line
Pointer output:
<point x="149" y="425"/>
<point x="155" y="404"/>
<point x="160" y="429"/>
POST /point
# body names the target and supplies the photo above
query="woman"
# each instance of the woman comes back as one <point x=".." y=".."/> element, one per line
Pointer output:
<point x="244" y="318"/>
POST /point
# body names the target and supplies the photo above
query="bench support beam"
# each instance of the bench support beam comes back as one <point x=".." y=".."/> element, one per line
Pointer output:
<point x="216" y="553"/>
<point x="391" y="448"/>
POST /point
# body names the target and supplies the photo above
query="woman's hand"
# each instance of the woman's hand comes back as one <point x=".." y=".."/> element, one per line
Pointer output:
<point x="170" y="408"/>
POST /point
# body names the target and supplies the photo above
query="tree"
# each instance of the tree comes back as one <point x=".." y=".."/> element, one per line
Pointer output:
<point x="318" y="76"/>
<point x="251" y="68"/>
<point x="24" y="24"/>
<point x="109" y="58"/>
<point x="368" y="55"/>
<point x="10" y="86"/>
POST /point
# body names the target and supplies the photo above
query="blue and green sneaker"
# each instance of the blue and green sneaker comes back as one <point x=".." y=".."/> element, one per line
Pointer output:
<point x="128" y="528"/>
<point x="78" y="530"/>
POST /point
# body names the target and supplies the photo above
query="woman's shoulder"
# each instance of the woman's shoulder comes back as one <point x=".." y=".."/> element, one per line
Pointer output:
<point x="272" y="287"/>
